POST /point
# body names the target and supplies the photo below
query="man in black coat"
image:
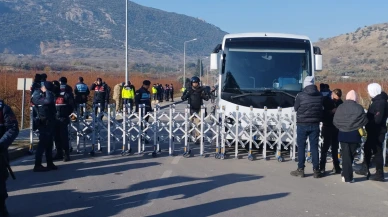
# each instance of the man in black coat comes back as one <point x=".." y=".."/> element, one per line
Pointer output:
<point x="9" y="130"/>
<point x="309" y="111"/>
<point x="195" y="96"/>
<point x="376" y="129"/>
<point x="329" y="131"/>
<point x="45" y="102"/>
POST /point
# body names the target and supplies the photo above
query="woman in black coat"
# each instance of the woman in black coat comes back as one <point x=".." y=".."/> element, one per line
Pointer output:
<point x="349" y="118"/>
<point x="376" y="129"/>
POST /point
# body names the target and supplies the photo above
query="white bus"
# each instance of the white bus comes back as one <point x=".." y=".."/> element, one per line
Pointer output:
<point x="263" y="70"/>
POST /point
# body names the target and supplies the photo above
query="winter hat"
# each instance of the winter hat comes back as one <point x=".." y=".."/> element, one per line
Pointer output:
<point x="374" y="89"/>
<point x="352" y="95"/>
<point x="309" y="80"/>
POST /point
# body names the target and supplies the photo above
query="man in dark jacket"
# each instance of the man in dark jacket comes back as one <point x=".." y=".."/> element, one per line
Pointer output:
<point x="64" y="103"/>
<point x="81" y="91"/>
<point x="309" y="110"/>
<point x="143" y="97"/>
<point x="45" y="102"/>
<point x="9" y="130"/>
<point x="329" y="131"/>
<point x="195" y="96"/>
<point x="101" y="95"/>
<point x="376" y="129"/>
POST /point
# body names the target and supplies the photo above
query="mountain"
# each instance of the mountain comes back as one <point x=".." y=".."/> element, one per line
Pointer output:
<point x="362" y="53"/>
<point x="95" y="29"/>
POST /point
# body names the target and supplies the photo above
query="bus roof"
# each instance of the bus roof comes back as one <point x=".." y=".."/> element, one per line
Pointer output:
<point x="265" y="34"/>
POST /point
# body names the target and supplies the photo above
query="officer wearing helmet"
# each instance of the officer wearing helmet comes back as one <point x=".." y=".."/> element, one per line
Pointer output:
<point x="195" y="96"/>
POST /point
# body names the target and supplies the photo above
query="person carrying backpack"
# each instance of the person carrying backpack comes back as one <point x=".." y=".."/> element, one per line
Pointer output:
<point x="64" y="104"/>
<point x="9" y="130"/>
<point x="195" y="96"/>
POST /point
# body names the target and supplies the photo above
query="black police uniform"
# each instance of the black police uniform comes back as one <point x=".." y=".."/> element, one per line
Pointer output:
<point x="195" y="97"/>
<point x="45" y="103"/>
<point x="101" y="95"/>
<point x="9" y="130"/>
<point x="64" y="104"/>
<point x="143" y="96"/>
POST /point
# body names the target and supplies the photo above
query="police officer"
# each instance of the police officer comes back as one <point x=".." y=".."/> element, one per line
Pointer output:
<point x="101" y="94"/>
<point x="128" y="95"/>
<point x="8" y="132"/>
<point x="44" y="100"/>
<point x="143" y="96"/>
<point x="195" y="96"/>
<point x="81" y="91"/>
<point x="64" y="103"/>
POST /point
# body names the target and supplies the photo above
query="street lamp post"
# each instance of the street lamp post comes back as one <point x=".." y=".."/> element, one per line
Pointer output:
<point x="184" y="60"/>
<point x="254" y="81"/>
<point x="126" y="42"/>
<point x="200" y="67"/>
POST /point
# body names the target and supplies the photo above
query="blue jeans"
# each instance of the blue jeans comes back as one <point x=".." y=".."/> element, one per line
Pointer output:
<point x="312" y="132"/>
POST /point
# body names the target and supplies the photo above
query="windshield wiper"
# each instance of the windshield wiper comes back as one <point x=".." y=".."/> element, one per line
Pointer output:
<point x="249" y="94"/>
<point x="283" y="92"/>
<point x="262" y="93"/>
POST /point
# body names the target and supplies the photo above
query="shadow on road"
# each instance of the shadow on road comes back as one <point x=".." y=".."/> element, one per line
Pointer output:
<point x="68" y="203"/>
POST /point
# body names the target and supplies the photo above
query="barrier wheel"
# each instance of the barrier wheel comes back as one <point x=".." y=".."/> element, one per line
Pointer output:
<point x="216" y="156"/>
<point x="280" y="159"/>
<point x="222" y="157"/>
<point x="266" y="158"/>
<point x="91" y="153"/>
<point x="250" y="157"/>
<point x="309" y="160"/>
<point x="154" y="154"/>
<point x="99" y="150"/>
<point x="122" y="153"/>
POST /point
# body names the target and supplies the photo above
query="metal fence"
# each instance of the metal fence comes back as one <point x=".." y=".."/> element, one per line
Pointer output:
<point x="216" y="133"/>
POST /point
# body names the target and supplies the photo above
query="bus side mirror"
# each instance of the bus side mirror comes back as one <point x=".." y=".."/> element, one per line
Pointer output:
<point x="317" y="59"/>
<point x="318" y="62"/>
<point x="214" y="61"/>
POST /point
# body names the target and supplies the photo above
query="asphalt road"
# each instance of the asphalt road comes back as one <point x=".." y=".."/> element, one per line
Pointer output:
<point x="139" y="185"/>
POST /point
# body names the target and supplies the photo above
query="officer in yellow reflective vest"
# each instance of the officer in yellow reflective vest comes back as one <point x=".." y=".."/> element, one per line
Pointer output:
<point x="128" y="94"/>
<point x="154" y="92"/>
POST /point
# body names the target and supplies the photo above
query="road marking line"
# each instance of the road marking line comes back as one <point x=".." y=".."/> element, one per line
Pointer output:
<point x="176" y="160"/>
<point x="155" y="191"/>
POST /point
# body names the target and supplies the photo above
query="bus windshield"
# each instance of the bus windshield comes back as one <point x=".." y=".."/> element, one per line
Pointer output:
<point x="262" y="64"/>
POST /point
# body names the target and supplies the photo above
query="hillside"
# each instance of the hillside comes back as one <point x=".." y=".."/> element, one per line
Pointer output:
<point x="95" y="29"/>
<point x="362" y="54"/>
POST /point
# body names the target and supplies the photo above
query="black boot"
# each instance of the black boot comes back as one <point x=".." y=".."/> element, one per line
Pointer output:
<point x="298" y="172"/>
<point x="51" y="166"/>
<point x="317" y="174"/>
<point x="40" y="168"/>
<point x="379" y="176"/>
<point x="337" y="170"/>
<point x="66" y="158"/>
